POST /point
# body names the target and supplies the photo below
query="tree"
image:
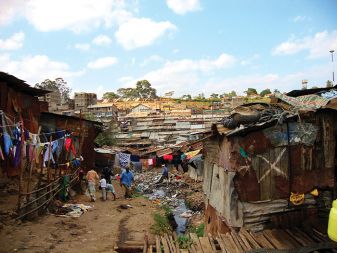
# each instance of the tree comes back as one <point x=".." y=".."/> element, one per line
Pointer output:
<point x="143" y="90"/>
<point x="59" y="84"/>
<point x="201" y="96"/>
<point x="110" y="96"/>
<point x="214" y="96"/>
<point x="127" y="92"/>
<point x="329" y="84"/>
<point x="265" y="92"/>
<point x="186" y="97"/>
<point x="251" y="91"/>
<point x="230" y="94"/>
<point x="107" y="137"/>
<point x="276" y="91"/>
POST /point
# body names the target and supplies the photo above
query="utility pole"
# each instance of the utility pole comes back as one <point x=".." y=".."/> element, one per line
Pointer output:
<point x="333" y="73"/>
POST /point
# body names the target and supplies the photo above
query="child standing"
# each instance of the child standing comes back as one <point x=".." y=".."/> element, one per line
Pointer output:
<point x="103" y="186"/>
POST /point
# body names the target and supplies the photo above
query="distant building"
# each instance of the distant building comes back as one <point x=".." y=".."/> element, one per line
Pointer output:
<point x="140" y="108"/>
<point x="83" y="100"/>
<point x="103" y="110"/>
<point x="53" y="99"/>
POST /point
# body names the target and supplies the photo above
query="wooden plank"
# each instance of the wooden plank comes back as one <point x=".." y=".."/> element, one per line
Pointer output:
<point x="205" y="245"/>
<point x="237" y="247"/>
<point x="196" y="241"/>
<point x="245" y="241"/>
<point x="149" y="249"/>
<point x="183" y="251"/>
<point x="193" y="249"/>
<point x="222" y="244"/>
<point x="291" y="242"/>
<point x="265" y="176"/>
<point x="302" y="241"/>
<point x="250" y="238"/>
<point x="210" y="238"/>
<point x="158" y="249"/>
<point x="228" y="244"/>
<point x="169" y="242"/>
<point x="273" y="238"/>
<point x="176" y="242"/>
<point x="263" y="241"/>
<point x="240" y="244"/>
<point x="165" y="244"/>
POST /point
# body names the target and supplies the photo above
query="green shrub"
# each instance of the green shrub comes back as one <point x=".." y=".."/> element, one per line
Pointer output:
<point x="184" y="241"/>
<point x="161" y="225"/>
<point x="199" y="230"/>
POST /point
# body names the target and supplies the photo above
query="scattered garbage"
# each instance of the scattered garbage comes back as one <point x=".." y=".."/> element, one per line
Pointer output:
<point x="166" y="194"/>
<point x="72" y="210"/>
<point x="186" y="214"/>
<point x="125" y="206"/>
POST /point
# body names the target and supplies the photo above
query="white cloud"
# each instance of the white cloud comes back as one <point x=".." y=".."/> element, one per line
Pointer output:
<point x="140" y="32"/>
<point x="50" y="15"/>
<point x="317" y="45"/>
<point x="84" y="15"/>
<point x="300" y="18"/>
<point x="316" y="75"/>
<point x="183" y="6"/>
<point x="101" y="63"/>
<point x="36" y="68"/>
<point x="14" y="42"/>
<point x="151" y="59"/>
<point x="82" y="46"/>
<point x="250" y="60"/>
<point x="182" y="75"/>
<point x="9" y="9"/>
<point x="101" y="40"/>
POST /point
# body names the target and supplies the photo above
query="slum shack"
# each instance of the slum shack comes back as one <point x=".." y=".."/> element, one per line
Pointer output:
<point x="272" y="164"/>
<point x="20" y="108"/>
<point x="83" y="133"/>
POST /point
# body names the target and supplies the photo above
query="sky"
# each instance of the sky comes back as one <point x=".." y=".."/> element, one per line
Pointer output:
<point x="185" y="46"/>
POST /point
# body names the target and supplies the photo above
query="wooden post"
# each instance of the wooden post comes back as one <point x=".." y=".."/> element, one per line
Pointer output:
<point x="31" y="165"/>
<point x="21" y="168"/>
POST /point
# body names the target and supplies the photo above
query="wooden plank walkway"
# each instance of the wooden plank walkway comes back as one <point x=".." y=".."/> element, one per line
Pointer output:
<point x="243" y="241"/>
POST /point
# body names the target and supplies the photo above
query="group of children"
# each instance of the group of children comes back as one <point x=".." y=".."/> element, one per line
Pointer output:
<point x="105" y="184"/>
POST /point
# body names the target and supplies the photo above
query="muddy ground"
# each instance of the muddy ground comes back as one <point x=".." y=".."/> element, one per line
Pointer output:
<point x="100" y="229"/>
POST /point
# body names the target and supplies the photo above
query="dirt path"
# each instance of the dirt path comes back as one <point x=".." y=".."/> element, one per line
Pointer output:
<point x="98" y="230"/>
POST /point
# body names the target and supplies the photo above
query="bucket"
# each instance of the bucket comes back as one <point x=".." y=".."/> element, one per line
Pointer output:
<point x="332" y="225"/>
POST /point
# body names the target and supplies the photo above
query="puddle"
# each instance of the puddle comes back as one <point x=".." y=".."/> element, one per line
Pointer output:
<point x="181" y="222"/>
<point x="177" y="205"/>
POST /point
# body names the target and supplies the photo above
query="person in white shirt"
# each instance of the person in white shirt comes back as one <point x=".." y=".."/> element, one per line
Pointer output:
<point x="102" y="183"/>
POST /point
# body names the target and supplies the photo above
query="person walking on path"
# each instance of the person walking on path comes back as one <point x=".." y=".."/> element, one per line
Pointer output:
<point x="92" y="176"/>
<point x="126" y="181"/>
<point x="164" y="174"/>
<point x="102" y="184"/>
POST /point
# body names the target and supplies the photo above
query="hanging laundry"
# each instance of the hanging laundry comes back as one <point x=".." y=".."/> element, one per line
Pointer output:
<point x="69" y="145"/>
<point x="134" y="158"/>
<point x="1" y="154"/>
<point x="124" y="160"/>
<point x="8" y="144"/>
<point x="168" y="157"/>
<point x="48" y="155"/>
<point x="150" y="161"/>
<point x="191" y="154"/>
<point x="17" y="155"/>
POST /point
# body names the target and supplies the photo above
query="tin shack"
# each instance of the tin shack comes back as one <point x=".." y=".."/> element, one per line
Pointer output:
<point x="269" y="165"/>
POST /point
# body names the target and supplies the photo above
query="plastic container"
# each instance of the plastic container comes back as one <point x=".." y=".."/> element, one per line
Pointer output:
<point x="332" y="225"/>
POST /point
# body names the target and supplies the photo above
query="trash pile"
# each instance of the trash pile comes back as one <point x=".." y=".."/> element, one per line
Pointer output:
<point x="253" y="113"/>
<point x="71" y="210"/>
<point x="171" y="194"/>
